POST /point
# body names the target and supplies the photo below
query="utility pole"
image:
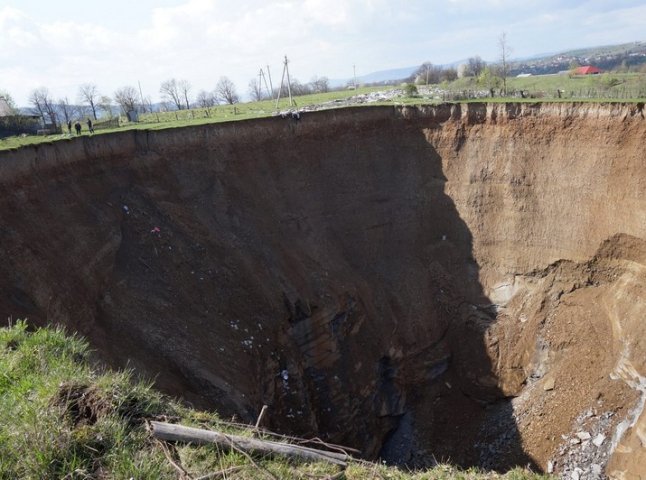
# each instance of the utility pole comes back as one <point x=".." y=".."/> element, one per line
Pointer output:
<point x="289" y="83"/>
<point x="143" y="105"/>
<point x="354" y="73"/>
<point x="270" y="85"/>
<point x="260" y="84"/>
<point x="282" y="81"/>
<point x="505" y="50"/>
<point x="264" y="79"/>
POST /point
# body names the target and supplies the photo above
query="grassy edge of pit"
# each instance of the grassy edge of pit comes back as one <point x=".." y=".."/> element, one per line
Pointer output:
<point x="61" y="416"/>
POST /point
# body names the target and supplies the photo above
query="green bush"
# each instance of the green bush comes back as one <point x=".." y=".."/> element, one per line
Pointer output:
<point x="411" y="90"/>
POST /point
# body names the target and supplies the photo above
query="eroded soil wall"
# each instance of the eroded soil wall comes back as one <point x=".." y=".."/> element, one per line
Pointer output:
<point x="382" y="277"/>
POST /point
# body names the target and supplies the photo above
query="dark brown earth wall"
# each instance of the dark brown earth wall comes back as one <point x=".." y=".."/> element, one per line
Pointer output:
<point x="387" y="278"/>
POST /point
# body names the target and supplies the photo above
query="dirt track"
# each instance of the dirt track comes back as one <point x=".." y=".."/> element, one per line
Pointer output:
<point x="382" y="277"/>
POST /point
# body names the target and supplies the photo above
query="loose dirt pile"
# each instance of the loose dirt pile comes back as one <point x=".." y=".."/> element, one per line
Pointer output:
<point x="452" y="282"/>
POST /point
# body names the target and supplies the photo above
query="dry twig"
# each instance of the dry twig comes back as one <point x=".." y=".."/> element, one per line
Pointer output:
<point x="183" y="474"/>
<point x="221" y="473"/>
<point x="248" y="457"/>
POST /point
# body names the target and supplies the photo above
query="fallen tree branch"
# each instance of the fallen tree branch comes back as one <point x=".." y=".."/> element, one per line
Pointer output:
<point x="179" y="433"/>
<point x="220" y="473"/>
<point x="329" y="446"/>
<point x="296" y="440"/>
<point x="183" y="474"/>
<point x="262" y="414"/>
<point x="258" y="467"/>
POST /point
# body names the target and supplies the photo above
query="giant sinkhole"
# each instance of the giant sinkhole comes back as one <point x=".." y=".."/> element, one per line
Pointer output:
<point x="453" y="282"/>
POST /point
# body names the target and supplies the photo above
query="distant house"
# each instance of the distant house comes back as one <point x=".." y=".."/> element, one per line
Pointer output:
<point x="12" y="123"/>
<point x="587" y="70"/>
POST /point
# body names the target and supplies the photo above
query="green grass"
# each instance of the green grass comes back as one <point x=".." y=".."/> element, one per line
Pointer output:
<point x="196" y="116"/>
<point x="62" y="419"/>
<point x="608" y="87"/>
<point x="41" y="439"/>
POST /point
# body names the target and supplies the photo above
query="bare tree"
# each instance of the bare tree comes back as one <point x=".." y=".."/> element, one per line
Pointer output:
<point x="9" y="99"/>
<point x="299" y="88"/>
<point x="89" y="94"/>
<point x="426" y="73"/>
<point x="475" y="65"/>
<point x="226" y="91"/>
<point x="147" y="105"/>
<point x="255" y="89"/>
<point x="170" y="92"/>
<point x="105" y="104"/>
<point x="65" y="110"/>
<point x="184" y="87"/>
<point x="448" y="74"/>
<point x="505" y="51"/>
<point x="423" y="73"/>
<point x="320" y="84"/>
<point x="127" y="98"/>
<point x="206" y="99"/>
<point x="43" y="105"/>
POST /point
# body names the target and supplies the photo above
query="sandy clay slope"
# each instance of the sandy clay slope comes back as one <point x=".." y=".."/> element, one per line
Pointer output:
<point x="463" y="282"/>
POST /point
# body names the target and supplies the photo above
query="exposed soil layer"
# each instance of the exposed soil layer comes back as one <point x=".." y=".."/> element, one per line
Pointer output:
<point x="453" y="282"/>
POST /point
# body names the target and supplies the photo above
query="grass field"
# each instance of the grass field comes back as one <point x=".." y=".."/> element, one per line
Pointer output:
<point x="607" y="86"/>
<point x="62" y="419"/>
<point x="613" y="87"/>
<point x="195" y="116"/>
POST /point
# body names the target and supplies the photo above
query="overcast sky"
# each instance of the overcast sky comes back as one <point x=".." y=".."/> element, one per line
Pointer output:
<point x="60" y="45"/>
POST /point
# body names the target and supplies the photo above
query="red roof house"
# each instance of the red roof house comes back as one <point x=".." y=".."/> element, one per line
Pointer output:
<point x="588" y="70"/>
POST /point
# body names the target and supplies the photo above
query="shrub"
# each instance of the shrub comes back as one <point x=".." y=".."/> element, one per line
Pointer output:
<point x="411" y="90"/>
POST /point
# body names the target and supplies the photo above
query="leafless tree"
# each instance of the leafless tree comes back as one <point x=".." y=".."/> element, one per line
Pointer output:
<point x="448" y="74"/>
<point x="206" y="99"/>
<point x="426" y="73"/>
<point x="226" y="91"/>
<point x="505" y="51"/>
<point x="9" y="99"/>
<point x="127" y="98"/>
<point x="171" y="93"/>
<point x="147" y="105"/>
<point x="65" y="109"/>
<point x="89" y="94"/>
<point x="320" y="84"/>
<point x="184" y="87"/>
<point x="43" y="105"/>
<point x="475" y="65"/>
<point x="105" y="104"/>
<point x="255" y="89"/>
<point x="299" y="88"/>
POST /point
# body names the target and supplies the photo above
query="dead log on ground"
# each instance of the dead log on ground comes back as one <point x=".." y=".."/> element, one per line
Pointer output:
<point x="179" y="433"/>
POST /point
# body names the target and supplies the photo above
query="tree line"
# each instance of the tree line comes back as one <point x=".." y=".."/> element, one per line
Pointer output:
<point x="92" y="103"/>
<point x="178" y="94"/>
<point x="175" y="94"/>
<point x="489" y="76"/>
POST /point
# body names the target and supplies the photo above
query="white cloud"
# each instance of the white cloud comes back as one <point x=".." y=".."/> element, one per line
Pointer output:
<point x="17" y="37"/>
<point x="13" y="31"/>
<point x="201" y="40"/>
<point x="489" y="4"/>
<point x="8" y="15"/>
<point x="326" y="12"/>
